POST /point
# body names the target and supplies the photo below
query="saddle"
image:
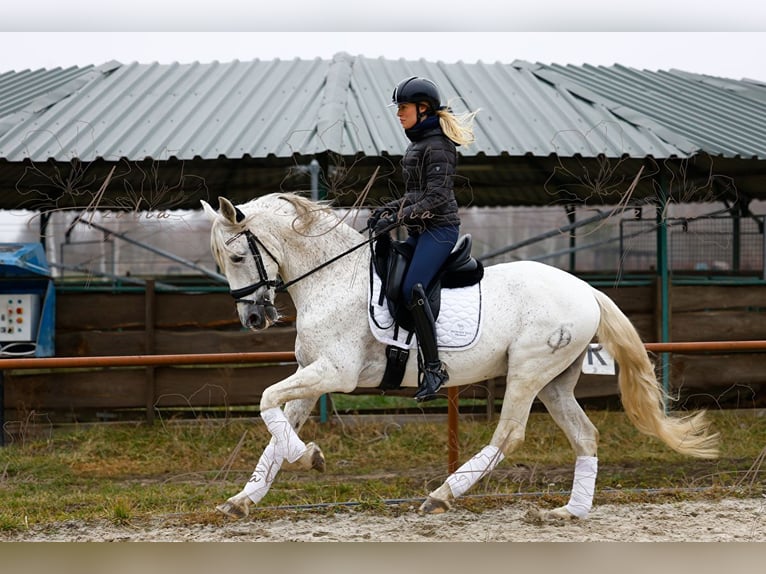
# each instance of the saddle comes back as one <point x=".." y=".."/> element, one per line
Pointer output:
<point x="390" y="260"/>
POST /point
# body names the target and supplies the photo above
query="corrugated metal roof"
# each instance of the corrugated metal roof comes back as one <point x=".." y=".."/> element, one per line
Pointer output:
<point x="177" y="110"/>
<point x="281" y="108"/>
<point x="716" y="115"/>
<point x="240" y="128"/>
<point x="519" y="114"/>
<point x="29" y="92"/>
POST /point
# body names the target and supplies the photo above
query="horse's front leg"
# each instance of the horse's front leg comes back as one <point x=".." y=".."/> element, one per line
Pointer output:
<point x="285" y="448"/>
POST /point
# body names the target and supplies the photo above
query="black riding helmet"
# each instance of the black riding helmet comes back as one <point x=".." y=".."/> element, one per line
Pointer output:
<point x="415" y="90"/>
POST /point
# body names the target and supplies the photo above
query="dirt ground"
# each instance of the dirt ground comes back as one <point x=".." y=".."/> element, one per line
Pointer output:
<point x="728" y="520"/>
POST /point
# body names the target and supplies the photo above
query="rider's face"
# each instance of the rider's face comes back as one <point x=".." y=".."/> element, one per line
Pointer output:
<point x="407" y="114"/>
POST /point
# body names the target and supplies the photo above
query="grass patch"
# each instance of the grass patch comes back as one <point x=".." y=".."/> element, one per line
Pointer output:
<point x="125" y="473"/>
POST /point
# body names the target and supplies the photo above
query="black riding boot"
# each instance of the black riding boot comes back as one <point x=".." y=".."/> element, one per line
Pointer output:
<point x="432" y="374"/>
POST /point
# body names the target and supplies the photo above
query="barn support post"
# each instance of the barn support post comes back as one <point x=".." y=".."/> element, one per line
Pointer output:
<point x="314" y="173"/>
<point x="572" y="217"/>
<point x="663" y="272"/>
<point x="736" y="244"/>
<point x="763" y="250"/>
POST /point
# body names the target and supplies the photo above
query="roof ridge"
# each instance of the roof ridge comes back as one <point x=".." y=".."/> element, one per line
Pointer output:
<point x="331" y="114"/>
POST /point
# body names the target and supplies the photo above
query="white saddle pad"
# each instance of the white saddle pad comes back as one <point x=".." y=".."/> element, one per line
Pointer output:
<point x="457" y="328"/>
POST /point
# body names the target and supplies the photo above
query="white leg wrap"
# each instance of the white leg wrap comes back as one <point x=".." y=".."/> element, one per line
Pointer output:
<point x="264" y="474"/>
<point x="289" y="446"/>
<point x="474" y="469"/>
<point x="583" y="486"/>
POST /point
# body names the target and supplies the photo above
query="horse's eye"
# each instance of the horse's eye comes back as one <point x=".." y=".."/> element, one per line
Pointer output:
<point x="237" y="259"/>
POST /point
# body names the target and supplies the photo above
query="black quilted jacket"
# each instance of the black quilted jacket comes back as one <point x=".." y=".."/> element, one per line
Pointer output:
<point x="429" y="173"/>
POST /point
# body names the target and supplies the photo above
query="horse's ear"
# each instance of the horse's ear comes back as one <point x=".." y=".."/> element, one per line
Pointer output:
<point x="211" y="213"/>
<point x="230" y="211"/>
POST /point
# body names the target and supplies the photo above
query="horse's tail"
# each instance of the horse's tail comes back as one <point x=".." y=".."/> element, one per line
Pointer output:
<point x="642" y="395"/>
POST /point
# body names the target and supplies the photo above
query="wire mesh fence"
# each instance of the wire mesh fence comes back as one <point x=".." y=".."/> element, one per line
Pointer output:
<point x="721" y="244"/>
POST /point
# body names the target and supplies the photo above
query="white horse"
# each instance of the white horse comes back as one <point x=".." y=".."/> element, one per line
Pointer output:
<point x="538" y="322"/>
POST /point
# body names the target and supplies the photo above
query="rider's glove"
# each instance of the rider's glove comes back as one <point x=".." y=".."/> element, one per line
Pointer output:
<point x="376" y="215"/>
<point x="384" y="224"/>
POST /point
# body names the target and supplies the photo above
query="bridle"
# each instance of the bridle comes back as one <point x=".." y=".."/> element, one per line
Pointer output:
<point x="263" y="279"/>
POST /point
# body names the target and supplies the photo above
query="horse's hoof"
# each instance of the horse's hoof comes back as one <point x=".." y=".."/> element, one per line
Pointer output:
<point x="234" y="510"/>
<point x="317" y="458"/>
<point x="434" y="506"/>
<point x="556" y="516"/>
<point x="312" y="459"/>
<point x="560" y="513"/>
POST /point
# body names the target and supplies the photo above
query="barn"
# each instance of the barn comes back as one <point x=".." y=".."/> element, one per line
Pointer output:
<point x="649" y="184"/>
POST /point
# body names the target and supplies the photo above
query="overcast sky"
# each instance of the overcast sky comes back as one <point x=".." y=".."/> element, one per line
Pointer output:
<point x="728" y="39"/>
<point x="723" y="39"/>
<point x="730" y="54"/>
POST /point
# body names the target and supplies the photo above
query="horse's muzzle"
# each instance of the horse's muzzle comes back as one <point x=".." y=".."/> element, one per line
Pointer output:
<point x="258" y="316"/>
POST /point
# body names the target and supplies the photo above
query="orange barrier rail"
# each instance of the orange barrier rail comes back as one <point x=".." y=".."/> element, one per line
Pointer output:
<point x="146" y="360"/>
<point x="131" y="361"/>
<point x="289" y="356"/>
<point x="704" y="347"/>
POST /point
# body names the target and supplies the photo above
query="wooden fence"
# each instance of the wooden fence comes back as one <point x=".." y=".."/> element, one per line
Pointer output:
<point x="103" y="324"/>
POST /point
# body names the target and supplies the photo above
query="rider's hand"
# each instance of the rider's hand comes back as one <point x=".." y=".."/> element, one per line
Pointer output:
<point x="384" y="224"/>
<point x="375" y="216"/>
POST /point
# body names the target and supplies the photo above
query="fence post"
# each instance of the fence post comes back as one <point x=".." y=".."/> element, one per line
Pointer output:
<point x="452" y="436"/>
<point x="2" y="408"/>
<point x="149" y="347"/>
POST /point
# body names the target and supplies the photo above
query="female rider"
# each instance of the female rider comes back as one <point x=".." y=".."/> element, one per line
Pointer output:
<point x="428" y="208"/>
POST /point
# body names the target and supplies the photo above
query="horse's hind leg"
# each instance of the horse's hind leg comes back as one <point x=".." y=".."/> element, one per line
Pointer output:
<point x="558" y="397"/>
<point x="507" y="437"/>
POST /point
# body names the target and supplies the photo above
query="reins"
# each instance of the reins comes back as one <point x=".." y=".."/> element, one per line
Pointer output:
<point x="280" y="287"/>
<point x="283" y="286"/>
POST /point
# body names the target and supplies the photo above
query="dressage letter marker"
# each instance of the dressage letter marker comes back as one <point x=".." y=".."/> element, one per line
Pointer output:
<point x="598" y="361"/>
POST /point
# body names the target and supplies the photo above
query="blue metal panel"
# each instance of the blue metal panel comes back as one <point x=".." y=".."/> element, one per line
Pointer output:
<point x="24" y="270"/>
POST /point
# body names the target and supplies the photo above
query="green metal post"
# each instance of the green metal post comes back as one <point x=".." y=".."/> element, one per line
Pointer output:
<point x="323" y="409"/>
<point x="736" y="243"/>
<point x="663" y="269"/>
<point x="571" y="216"/>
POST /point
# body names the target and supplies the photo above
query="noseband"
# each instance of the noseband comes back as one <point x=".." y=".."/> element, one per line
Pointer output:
<point x="253" y="242"/>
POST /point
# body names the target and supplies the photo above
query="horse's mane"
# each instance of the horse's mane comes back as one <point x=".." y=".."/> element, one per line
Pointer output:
<point x="308" y="214"/>
<point x="308" y="211"/>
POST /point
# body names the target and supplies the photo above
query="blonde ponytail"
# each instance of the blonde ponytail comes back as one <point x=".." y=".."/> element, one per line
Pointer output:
<point x="458" y="128"/>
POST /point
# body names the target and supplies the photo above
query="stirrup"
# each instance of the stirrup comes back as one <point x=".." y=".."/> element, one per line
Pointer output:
<point x="432" y="377"/>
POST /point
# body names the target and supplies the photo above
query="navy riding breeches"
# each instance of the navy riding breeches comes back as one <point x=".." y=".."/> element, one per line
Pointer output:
<point x="431" y="249"/>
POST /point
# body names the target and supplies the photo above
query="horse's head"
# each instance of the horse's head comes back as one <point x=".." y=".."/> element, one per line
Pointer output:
<point x="249" y="266"/>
